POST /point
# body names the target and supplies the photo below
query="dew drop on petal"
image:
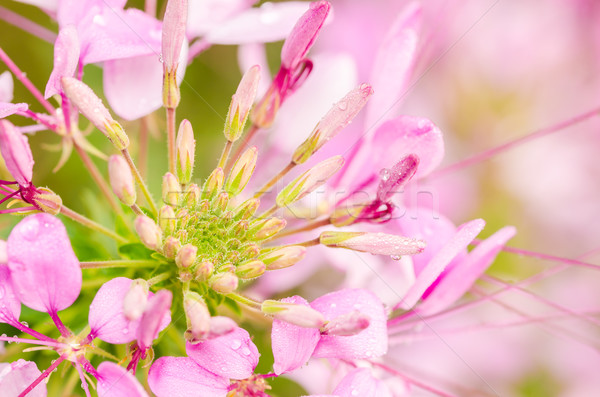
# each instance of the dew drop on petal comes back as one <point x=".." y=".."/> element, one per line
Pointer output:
<point x="99" y="20"/>
<point x="160" y="58"/>
<point x="125" y="331"/>
<point x="395" y="257"/>
<point x="342" y="105"/>
<point x="246" y="351"/>
<point x="384" y="174"/>
<point x="30" y="229"/>
<point x="236" y="344"/>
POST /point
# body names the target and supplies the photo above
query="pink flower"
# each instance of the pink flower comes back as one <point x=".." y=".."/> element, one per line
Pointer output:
<point x="16" y="376"/>
<point x="6" y="95"/>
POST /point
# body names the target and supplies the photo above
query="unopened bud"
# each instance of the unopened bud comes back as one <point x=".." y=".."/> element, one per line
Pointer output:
<point x="186" y="255"/>
<point x="283" y="257"/>
<point x="338" y="117"/>
<point x="213" y="184"/>
<point x="241" y="102"/>
<point x="47" y="201"/>
<point x="204" y="270"/>
<point x="240" y="228"/>
<point x="374" y="243"/>
<point x="300" y="315"/>
<point x="171" y="190"/>
<point x="94" y="110"/>
<point x="186" y="149"/>
<point x="166" y="219"/>
<point x="171" y="246"/>
<point x="242" y="171"/>
<point x="247" y="209"/>
<point x="191" y="196"/>
<point x="266" y="228"/>
<point x="346" y="214"/>
<point x="251" y="251"/>
<point x="135" y="299"/>
<point x="149" y="232"/>
<point x="16" y="153"/>
<point x="171" y="95"/>
<point x="222" y="201"/>
<point x="224" y="283"/>
<point x="197" y="316"/>
<point x="309" y="181"/>
<point x="250" y="270"/>
<point x="121" y="180"/>
<point x="265" y="111"/>
<point x="347" y="324"/>
<point x="173" y="32"/>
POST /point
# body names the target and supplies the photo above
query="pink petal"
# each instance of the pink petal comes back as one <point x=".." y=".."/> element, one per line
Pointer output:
<point x="206" y="15"/>
<point x="106" y="317"/>
<point x="397" y="177"/>
<point x="17" y="376"/>
<point x="66" y="59"/>
<point x="458" y="280"/>
<point x="6" y="87"/>
<point x="403" y="135"/>
<point x="44" y="269"/>
<point x="370" y="343"/>
<point x="7" y="109"/>
<point x="303" y="34"/>
<point x="116" y="381"/>
<point x="47" y="5"/>
<point x="393" y="66"/>
<point x="10" y="306"/>
<point x="360" y="382"/>
<point x="173" y="32"/>
<point x="267" y="23"/>
<point x="232" y="355"/>
<point x="156" y="317"/>
<point x="461" y="239"/>
<point x="182" y="377"/>
<point x="292" y="345"/>
<point x="16" y="153"/>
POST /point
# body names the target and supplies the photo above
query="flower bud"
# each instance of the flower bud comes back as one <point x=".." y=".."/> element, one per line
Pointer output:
<point x="16" y="153"/>
<point x="149" y="232"/>
<point x="250" y="270"/>
<point x="173" y="32"/>
<point x="166" y="219"/>
<point x="347" y="324"/>
<point x="309" y="181"/>
<point x="171" y="95"/>
<point x="224" y="283"/>
<point x="222" y="201"/>
<point x="266" y="109"/>
<point x="204" y="270"/>
<point x="242" y="171"/>
<point x="397" y="177"/>
<point x="251" y="251"/>
<point x="266" y="228"/>
<point x="134" y="302"/>
<point x="186" y="255"/>
<point x="186" y="149"/>
<point x="300" y="315"/>
<point x="191" y="196"/>
<point x="171" y="246"/>
<point x="213" y="184"/>
<point x="171" y="189"/>
<point x="283" y="257"/>
<point x="92" y="108"/>
<point x="121" y="180"/>
<point x="47" y="201"/>
<point x="374" y="243"/>
<point x="247" y="209"/>
<point x="346" y="214"/>
<point x="338" y="117"/>
<point x="197" y="316"/>
<point x="241" y="102"/>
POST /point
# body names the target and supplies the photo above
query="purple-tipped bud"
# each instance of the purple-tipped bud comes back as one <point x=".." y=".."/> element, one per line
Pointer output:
<point x="94" y="110"/>
<point x="241" y="102"/>
<point x="213" y="184"/>
<point x="374" y="243"/>
<point x="16" y="153"/>
<point x="242" y="171"/>
<point x="186" y="148"/>
<point x="250" y="270"/>
<point x="303" y="34"/>
<point x="300" y="315"/>
<point x="393" y="180"/>
<point x="283" y="257"/>
<point x="186" y="255"/>
<point x="220" y="325"/>
<point x="149" y="232"/>
<point x="171" y="189"/>
<point x="197" y="316"/>
<point x="47" y="201"/>
<point x="171" y="247"/>
<point x="266" y="228"/>
<point x="166" y="219"/>
<point x="204" y="270"/>
<point x="309" y="181"/>
<point x="121" y="180"/>
<point x="347" y="324"/>
<point x="224" y="283"/>
<point x="338" y="117"/>
<point x="173" y="32"/>
<point x="135" y="300"/>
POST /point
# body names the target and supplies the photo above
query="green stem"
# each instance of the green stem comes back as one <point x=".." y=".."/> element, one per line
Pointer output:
<point x="159" y="278"/>
<point x="244" y="300"/>
<point x="225" y="154"/>
<point x="91" y="224"/>
<point x="140" y="181"/>
<point x="245" y="143"/>
<point x="171" y="140"/>
<point x="118" y="263"/>
<point x="274" y="180"/>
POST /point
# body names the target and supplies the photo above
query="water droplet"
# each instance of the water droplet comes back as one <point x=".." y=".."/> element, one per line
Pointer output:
<point x="160" y="58"/>
<point x="96" y="110"/>
<point x="223" y="368"/>
<point x="333" y="305"/>
<point x="396" y="257"/>
<point x="236" y="344"/>
<point x="384" y="174"/>
<point x="245" y="351"/>
<point x="125" y="331"/>
<point x="99" y="20"/>
<point x="30" y="229"/>
<point x="342" y="105"/>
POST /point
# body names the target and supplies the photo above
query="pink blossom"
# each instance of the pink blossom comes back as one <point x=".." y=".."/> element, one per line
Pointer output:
<point x="16" y="376"/>
<point x="10" y="306"/>
<point x="115" y="381"/>
<point x="66" y="59"/>
<point x="360" y="382"/>
<point x="16" y="153"/>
